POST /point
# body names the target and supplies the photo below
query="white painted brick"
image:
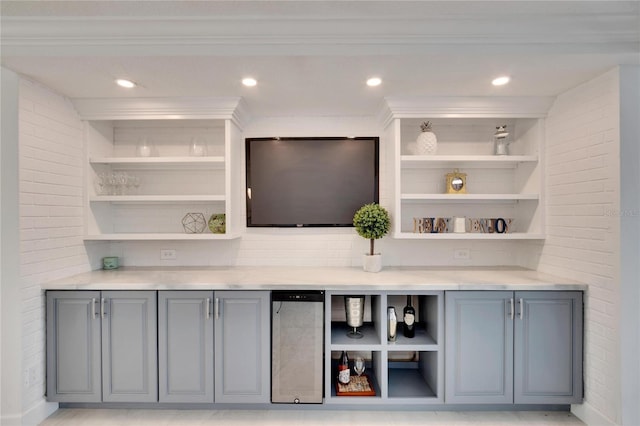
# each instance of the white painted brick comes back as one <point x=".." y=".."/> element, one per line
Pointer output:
<point x="51" y="200"/>
<point x="581" y="189"/>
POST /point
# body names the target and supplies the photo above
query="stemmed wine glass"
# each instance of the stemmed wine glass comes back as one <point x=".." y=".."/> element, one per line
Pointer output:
<point x="358" y="365"/>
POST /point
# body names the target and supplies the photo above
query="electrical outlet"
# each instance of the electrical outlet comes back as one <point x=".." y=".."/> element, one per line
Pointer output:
<point x="168" y="254"/>
<point x="461" y="254"/>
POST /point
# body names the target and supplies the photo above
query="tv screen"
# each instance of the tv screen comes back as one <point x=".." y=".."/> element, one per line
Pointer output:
<point x="310" y="181"/>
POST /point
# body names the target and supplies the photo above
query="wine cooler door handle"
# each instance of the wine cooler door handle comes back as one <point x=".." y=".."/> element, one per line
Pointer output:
<point x="512" y="312"/>
<point x="207" y="309"/>
<point x="521" y="308"/>
<point x="217" y="308"/>
<point x="93" y="308"/>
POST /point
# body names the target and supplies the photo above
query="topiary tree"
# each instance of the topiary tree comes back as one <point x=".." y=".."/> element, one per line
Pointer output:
<point x="372" y="221"/>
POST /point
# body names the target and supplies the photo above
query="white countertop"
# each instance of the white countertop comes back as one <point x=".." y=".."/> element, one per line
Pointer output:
<point x="312" y="278"/>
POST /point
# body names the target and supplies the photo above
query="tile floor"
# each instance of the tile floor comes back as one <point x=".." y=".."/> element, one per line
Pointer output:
<point x="126" y="417"/>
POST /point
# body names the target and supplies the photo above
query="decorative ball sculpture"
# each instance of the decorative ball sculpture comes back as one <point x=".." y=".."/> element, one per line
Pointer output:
<point x="194" y="223"/>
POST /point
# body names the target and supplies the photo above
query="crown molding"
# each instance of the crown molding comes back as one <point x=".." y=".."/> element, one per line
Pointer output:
<point x="231" y="108"/>
<point x="467" y="106"/>
<point x="181" y="35"/>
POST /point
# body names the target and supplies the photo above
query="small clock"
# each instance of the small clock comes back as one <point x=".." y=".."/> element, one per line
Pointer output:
<point x="217" y="223"/>
<point x="456" y="182"/>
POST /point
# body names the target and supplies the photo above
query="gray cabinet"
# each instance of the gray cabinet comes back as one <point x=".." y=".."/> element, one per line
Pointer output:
<point x="73" y="346"/>
<point x="185" y="346"/>
<point x="479" y="347"/>
<point x="242" y="358"/>
<point x="129" y="346"/>
<point x="548" y="347"/>
<point x="505" y="347"/>
<point x="101" y="346"/>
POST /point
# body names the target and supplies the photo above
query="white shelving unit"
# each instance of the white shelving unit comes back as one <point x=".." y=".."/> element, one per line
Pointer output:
<point x="171" y="183"/>
<point x="506" y="186"/>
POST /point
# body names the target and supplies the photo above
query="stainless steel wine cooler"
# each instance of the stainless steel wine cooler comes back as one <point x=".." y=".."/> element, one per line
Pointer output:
<point x="297" y="337"/>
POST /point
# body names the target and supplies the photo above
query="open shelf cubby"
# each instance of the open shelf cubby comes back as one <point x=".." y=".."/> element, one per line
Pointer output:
<point x="405" y="371"/>
<point x="414" y="378"/>
<point x="426" y="327"/>
<point x="373" y="369"/>
<point x="371" y="330"/>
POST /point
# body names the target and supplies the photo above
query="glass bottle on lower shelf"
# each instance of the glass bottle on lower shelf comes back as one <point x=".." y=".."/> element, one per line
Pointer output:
<point x="344" y="372"/>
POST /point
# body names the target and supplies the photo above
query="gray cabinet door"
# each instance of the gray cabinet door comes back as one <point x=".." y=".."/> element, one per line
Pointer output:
<point x="185" y="346"/>
<point x="548" y="348"/>
<point x="73" y="346"/>
<point x="129" y="346"/>
<point x="242" y="356"/>
<point x="479" y="347"/>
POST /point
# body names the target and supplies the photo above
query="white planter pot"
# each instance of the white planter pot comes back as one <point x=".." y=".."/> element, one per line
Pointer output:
<point x="372" y="263"/>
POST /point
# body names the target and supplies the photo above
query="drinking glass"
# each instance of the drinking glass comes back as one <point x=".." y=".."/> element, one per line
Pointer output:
<point x="358" y="365"/>
<point x="198" y="147"/>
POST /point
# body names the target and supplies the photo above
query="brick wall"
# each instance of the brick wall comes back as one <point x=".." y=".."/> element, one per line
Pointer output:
<point x="51" y="215"/>
<point x="582" y="187"/>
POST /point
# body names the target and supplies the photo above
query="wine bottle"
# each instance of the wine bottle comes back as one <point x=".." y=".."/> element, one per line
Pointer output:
<point x="409" y="317"/>
<point x="344" y="373"/>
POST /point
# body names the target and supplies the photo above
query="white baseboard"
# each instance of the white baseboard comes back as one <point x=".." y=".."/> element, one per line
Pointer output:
<point x="11" y="420"/>
<point x="590" y="415"/>
<point x="36" y="414"/>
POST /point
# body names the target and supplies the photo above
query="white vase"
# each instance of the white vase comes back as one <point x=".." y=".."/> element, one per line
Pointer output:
<point x="372" y="263"/>
<point x="427" y="142"/>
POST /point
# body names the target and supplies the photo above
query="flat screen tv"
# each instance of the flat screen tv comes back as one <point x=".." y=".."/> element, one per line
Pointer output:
<point x="298" y="182"/>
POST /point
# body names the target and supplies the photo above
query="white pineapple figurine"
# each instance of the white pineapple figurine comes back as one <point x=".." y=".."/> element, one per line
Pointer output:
<point x="427" y="142"/>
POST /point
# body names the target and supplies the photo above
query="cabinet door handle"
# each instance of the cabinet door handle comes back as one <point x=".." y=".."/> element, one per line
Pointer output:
<point x="207" y="309"/>
<point x="102" y="307"/>
<point x="217" y="308"/>
<point x="93" y="308"/>
<point x="521" y="308"/>
<point x="512" y="312"/>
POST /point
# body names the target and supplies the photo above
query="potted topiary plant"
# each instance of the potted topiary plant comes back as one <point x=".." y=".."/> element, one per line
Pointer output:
<point x="372" y="221"/>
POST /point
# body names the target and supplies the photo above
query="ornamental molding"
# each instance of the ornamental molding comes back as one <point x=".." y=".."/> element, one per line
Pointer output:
<point x="182" y="35"/>
<point x="464" y="106"/>
<point x="230" y="108"/>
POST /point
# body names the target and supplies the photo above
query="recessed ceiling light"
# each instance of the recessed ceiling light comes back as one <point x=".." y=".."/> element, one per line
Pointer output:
<point x="374" y="81"/>
<point x="125" y="83"/>
<point x="501" y="81"/>
<point x="249" y="82"/>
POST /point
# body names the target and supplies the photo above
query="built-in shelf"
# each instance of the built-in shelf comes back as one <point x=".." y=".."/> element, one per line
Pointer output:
<point x="159" y="237"/>
<point x="143" y="199"/>
<point x="421" y="340"/>
<point x="466" y="161"/>
<point x="160" y="162"/>
<point x="465" y="198"/>
<point x="170" y="183"/>
<point x="498" y="186"/>
<point x="339" y="338"/>
<point x="405" y="371"/>
<point x="408" y="382"/>
<point x="468" y="236"/>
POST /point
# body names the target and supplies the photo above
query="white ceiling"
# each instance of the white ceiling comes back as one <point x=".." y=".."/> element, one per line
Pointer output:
<point x="312" y="57"/>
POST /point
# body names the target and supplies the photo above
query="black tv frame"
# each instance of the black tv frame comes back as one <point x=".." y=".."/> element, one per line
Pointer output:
<point x="376" y="199"/>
